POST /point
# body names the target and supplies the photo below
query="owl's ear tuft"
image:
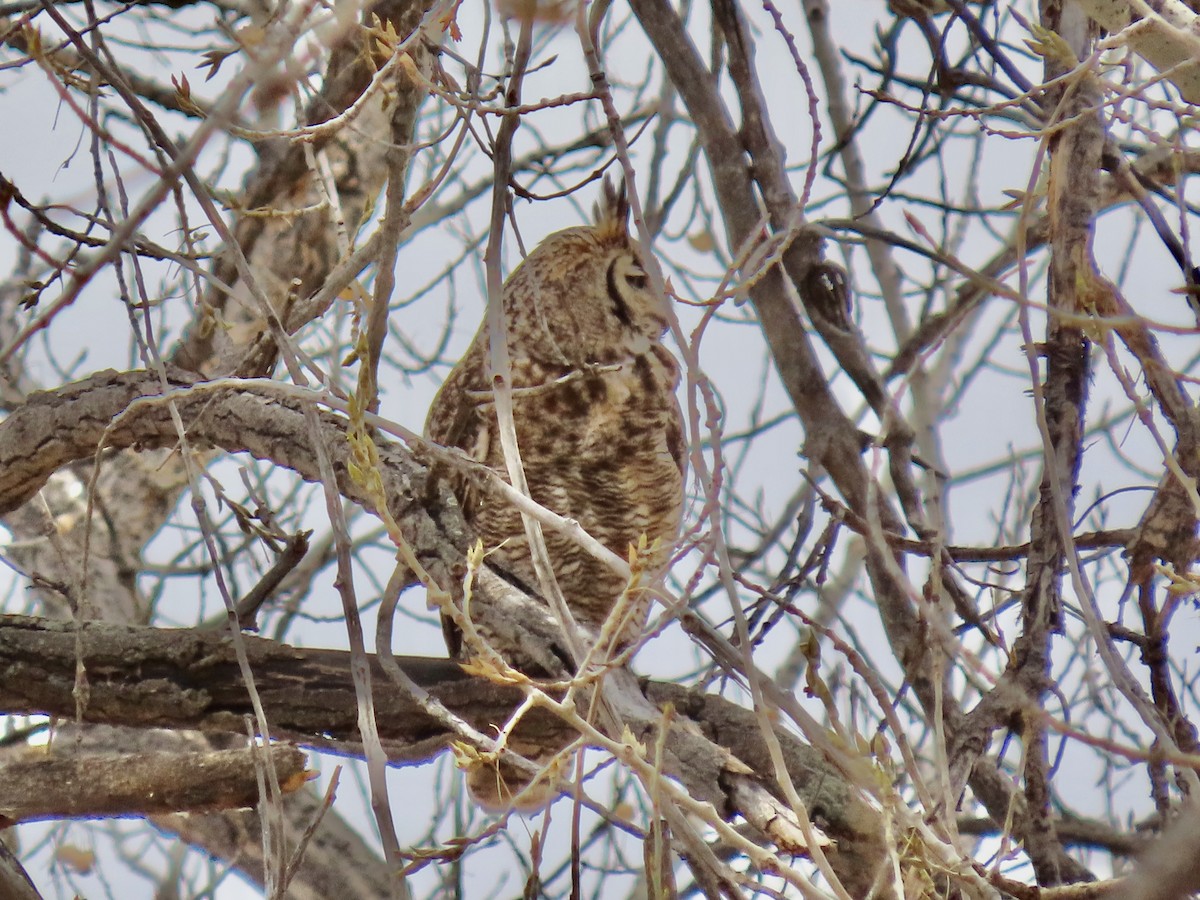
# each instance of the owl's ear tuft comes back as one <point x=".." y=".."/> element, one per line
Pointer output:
<point x="612" y="211"/>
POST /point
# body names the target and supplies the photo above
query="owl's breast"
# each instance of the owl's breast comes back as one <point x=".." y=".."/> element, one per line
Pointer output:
<point x="613" y="415"/>
<point x="603" y="448"/>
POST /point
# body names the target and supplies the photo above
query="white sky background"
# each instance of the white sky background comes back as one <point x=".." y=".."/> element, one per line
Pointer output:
<point x="47" y="155"/>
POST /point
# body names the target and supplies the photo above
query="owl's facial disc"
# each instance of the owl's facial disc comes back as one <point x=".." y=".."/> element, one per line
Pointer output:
<point x="633" y="304"/>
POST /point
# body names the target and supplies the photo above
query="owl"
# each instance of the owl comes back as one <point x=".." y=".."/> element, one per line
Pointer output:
<point x="598" y="425"/>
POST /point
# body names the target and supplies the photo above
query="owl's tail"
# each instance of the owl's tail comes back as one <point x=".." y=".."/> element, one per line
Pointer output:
<point x="500" y="785"/>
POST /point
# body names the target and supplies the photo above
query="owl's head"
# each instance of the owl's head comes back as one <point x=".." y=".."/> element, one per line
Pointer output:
<point x="582" y="296"/>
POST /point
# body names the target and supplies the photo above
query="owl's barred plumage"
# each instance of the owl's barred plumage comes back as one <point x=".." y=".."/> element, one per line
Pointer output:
<point x="598" y="425"/>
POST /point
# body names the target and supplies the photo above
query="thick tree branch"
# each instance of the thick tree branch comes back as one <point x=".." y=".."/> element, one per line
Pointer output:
<point x="337" y="862"/>
<point x="73" y="423"/>
<point x="14" y="880"/>
<point x="187" y="679"/>
<point x="67" y="785"/>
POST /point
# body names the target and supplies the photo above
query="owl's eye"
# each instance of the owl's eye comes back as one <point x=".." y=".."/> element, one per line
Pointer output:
<point x="637" y="279"/>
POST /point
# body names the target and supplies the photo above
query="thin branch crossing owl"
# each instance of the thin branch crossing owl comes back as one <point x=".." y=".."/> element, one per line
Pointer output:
<point x="597" y="421"/>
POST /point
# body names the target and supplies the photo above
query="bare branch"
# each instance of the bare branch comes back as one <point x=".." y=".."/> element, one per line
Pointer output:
<point x="68" y="785"/>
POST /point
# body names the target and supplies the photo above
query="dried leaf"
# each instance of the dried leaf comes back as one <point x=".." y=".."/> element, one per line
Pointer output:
<point x="82" y="861"/>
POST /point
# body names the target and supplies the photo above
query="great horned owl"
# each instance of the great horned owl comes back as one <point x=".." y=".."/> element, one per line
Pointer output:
<point x="597" y="421"/>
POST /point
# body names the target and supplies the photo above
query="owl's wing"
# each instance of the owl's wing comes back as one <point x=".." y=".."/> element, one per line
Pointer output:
<point x="455" y="420"/>
<point x="451" y="416"/>
<point x="676" y="443"/>
<point x="673" y="426"/>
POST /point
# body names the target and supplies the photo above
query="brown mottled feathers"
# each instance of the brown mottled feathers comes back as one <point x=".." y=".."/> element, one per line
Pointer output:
<point x="598" y="425"/>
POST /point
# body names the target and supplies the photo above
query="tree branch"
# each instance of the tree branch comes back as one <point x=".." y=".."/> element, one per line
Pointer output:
<point x="189" y="679"/>
<point x="67" y="785"/>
